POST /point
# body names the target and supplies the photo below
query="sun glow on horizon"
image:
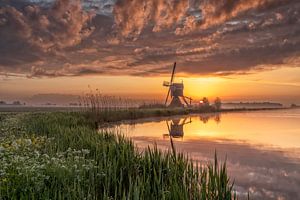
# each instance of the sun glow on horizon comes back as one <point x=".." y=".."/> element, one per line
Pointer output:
<point x="279" y="83"/>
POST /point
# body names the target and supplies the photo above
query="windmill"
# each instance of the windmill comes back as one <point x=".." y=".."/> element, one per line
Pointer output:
<point x="176" y="92"/>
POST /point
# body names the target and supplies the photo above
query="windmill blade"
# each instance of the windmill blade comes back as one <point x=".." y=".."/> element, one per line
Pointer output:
<point x="168" y="127"/>
<point x="168" y="95"/>
<point x="173" y="73"/>
<point x="171" y="140"/>
<point x="184" y="120"/>
<point x="172" y="78"/>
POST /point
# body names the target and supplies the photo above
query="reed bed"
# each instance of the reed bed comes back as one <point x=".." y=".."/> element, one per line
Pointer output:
<point x="100" y="108"/>
<point x="106" y="108"/>
<point x="61" y="156"/>
<point x="96" y="102"/>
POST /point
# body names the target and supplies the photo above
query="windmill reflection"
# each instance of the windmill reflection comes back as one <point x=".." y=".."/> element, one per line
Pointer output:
<point x="175" y="127"/>
<point x="205" y="118"/>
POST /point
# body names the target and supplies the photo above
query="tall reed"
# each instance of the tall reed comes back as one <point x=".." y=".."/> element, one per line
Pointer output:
<point x="95" y="101"/>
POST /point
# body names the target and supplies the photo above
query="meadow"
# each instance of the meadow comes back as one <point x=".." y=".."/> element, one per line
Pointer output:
<point x="60" y="155"/>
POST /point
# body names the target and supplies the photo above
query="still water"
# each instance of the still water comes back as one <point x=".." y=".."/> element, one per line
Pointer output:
<point x="262" y="147"/>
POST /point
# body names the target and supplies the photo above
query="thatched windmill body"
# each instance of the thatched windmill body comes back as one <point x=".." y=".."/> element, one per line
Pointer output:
<point x="176" y="92"/>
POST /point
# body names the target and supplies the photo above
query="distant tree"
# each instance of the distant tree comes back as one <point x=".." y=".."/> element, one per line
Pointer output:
<point x="294" y="105"/>
<point x="218" y="103"/>
<point x="205" y="101"/>
<point x="16" y="103"/>
<point x="2" y="103"/>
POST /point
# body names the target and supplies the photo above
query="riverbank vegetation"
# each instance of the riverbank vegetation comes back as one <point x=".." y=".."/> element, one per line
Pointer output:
<point x="60" y="155"/>
<point x="100" y="109"/>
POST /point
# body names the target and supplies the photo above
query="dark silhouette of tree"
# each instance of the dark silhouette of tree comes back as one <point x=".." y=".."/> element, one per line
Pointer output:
<point x="205" y="101"/>
<point x="16" y="103"/>
<point x="294" y="106"/>
<point x="218" y="103"/>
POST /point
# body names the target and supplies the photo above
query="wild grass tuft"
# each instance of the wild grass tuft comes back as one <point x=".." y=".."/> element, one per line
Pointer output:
<point x="61" y="156"/>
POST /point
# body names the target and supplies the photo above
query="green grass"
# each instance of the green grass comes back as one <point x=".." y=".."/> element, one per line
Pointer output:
<point x="62" y="156"/>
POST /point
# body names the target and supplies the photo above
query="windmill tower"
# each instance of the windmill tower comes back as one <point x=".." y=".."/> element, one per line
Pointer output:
<point x="176" y="92"/>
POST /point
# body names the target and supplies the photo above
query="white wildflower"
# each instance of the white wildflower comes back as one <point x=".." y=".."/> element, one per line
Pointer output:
<point x="85" y="151"/>
<point x="28" y="142"/>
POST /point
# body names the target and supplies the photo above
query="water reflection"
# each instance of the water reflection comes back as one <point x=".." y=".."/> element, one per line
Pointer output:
<point x="175" y="127"/>
<point x="262" y="148"/>
<point x="206" y="117"/>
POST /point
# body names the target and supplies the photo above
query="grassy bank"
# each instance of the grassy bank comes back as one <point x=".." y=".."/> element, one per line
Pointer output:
<point x="62" y="156"/>
<point x="108" y="116"/>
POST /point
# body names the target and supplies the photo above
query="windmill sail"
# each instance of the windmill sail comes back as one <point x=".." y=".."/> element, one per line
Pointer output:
<point x="172" y="78"/>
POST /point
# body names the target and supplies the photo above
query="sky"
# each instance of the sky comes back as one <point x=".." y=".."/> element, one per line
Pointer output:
<point x="242" y="50"/>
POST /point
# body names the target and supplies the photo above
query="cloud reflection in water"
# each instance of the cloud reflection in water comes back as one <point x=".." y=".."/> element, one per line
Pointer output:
<point x="266" y="168"/>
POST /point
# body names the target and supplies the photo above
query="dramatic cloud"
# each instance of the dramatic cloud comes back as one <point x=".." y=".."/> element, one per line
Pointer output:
<point x="218" y="11"/>
<point x="133" y="16"/>
<point x="143" y="37"/>
<point x="61" y="26"/>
